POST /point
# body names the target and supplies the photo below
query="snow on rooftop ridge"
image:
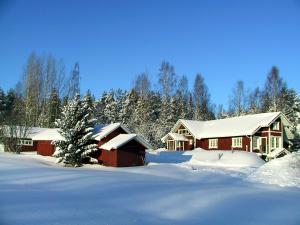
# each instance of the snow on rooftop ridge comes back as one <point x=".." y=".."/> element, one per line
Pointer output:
<point x="49" y="134"/>
<point x="101" y="131"/>
<point x="228" y="127"/>
<point x="122" y="139"/>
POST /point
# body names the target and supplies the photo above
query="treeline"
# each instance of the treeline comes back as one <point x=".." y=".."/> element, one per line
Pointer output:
<point x="45" y="88"/>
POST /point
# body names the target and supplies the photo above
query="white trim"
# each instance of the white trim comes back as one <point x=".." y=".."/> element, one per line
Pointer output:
<point x="26" y="142"/>
<point x="237" y="142"/>
<point x="213" y="143"/>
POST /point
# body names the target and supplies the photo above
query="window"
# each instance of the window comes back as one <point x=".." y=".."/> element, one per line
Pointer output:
<point x="184" y="132"/>
<point x="213" y="143"/>
<point x="275" y="142"/>
<point x="26" y="142"/>
<point x="237" y="142"/>
<point x="255" y="142"/>
<point x="276" y="125"/>
<point x="191" y="141"/>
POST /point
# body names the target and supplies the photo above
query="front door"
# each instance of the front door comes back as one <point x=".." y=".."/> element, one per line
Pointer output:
<point x="263" y="146"/>
<point x="171" y="145"/>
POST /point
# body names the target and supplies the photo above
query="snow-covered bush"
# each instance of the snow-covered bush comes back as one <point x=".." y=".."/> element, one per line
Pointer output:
<point x="76" y="127"/>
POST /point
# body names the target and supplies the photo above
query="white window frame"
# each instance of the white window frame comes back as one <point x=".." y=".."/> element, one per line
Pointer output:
<point x="213" y="143"/>
<point x="26" y="142"/>
<point x="184" y="131"/>
<point x="275" y="142"/>
<point x="276" y="125"/>
<point x="257" y="139"/>
<point x="237" y="142"/>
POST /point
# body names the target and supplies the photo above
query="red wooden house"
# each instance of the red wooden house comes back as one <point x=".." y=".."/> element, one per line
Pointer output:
<point x="117" y="147"/>
<point x="261" y="133"/>
<point x="124" y="150"/>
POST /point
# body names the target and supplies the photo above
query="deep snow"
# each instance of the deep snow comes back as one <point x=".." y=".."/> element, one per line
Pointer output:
<point x="174" y="188"/>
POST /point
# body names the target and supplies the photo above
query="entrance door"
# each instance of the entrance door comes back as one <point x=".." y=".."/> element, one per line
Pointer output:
<point x="263" y="146"/>
<point x="171" y="145"/>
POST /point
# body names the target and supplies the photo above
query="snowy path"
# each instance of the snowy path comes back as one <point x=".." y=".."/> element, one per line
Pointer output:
<point x="34" y="193"/>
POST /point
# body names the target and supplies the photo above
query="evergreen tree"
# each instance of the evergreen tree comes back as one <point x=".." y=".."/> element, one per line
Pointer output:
<point x="53" y="108"/>
<point x="2" y="105"/>
<point x="73" y="86"/>
<point x="190" y="108"/>
<point x="110" y="107"/>
<point x="201" y="99"/>
<point x="76" y="127"/>
<point x="291" y="107"/>
<point x="127" y="109"/>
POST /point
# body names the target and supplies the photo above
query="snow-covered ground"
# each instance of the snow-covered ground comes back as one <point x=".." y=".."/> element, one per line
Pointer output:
<point x="197" y="187"/>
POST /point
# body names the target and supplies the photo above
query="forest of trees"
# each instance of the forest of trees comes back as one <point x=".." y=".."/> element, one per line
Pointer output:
<point x="45" y="87"/>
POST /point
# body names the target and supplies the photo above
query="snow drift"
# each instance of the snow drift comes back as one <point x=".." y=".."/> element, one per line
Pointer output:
<point x="224" y="158"/>
<point x="283" y="171"/>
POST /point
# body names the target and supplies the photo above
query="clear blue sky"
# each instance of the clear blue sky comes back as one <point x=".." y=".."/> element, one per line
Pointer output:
<point x="113" y="41"/>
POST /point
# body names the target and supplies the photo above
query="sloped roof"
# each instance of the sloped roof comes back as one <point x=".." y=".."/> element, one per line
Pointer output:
<point x="20" y="130"/>
<point x="49" y="134"/>
<point x="229" y="127"/>
<point x="101" y="131"/>
<point x="175" y="136"/>
<point x="122" y="139"/>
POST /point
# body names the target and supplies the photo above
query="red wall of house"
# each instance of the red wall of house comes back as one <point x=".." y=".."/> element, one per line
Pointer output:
<point x="131" y="154"/>
<point x="26" y="148"/>
<point x="45" y="148"/>
<point x="108" y="158"/>
<point x="224" y="144"/>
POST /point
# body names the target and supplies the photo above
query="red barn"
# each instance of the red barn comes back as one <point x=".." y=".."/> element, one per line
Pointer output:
<point x="261" y="133"/>
<point x="43" y="141"/>
<point x="124" y="150"/>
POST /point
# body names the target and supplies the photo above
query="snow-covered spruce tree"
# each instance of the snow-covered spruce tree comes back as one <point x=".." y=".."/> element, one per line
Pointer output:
<point x="76" y="126"/>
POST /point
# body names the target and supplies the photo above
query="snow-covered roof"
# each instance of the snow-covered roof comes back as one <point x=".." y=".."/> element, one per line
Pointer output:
<point x="229" y="127"/>
<point x="48" y="134"/>
<point x="101" y="131"/>
<point x="175" y="136"/>
<point x="122" y="139"/>
<point x="20" y="131"/>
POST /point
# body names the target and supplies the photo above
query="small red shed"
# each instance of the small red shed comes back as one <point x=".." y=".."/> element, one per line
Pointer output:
<point x="124" y="150"/>
<point x="44" y="140"/>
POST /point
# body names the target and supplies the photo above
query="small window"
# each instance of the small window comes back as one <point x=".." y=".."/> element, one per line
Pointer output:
<point x="191" y="141"/>
<point x="255" y="142"/>
<point x="213" y="143"/>
<point x="276" y="125"/>
<point x="275" y="142"/>
<point x="184" y="132"/>
<point x="237" y="142"/>
<point x="26" y="142"/>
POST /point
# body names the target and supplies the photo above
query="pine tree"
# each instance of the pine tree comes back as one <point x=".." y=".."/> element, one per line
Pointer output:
<point x="127" y="109"/>
<point x="110" y="106"/>
<point x="53" y="108"/>
<point x="190" y="108"/>
<point x="291" y="107"/>
<point x="2" y="105"/>
<point x="201" y="99"/>
<point x="76" y="127"/>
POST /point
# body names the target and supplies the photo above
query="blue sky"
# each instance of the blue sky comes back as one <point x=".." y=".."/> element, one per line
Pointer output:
<point x="113" y="41"/>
